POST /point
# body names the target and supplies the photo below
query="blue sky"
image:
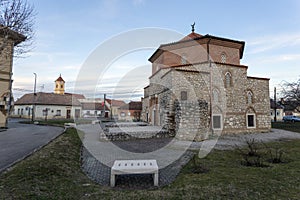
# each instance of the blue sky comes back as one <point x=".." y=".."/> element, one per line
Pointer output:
<point x="67" y="32"/>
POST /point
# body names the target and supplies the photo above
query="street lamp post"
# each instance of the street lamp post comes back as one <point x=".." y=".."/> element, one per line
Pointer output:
<point x="34" y="94"/>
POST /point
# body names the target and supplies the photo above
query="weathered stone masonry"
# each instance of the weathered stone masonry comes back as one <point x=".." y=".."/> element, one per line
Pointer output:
<point x="194" y="97"/>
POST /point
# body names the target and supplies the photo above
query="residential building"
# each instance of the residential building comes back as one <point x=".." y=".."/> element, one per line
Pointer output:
<point x="279" y="111"/>
<point x="131" y="111"/>
<point x="49" y="105"/>
<point x="8" y="39"/>
<point x="93" y="109"/>
<point x="114" y="106"/>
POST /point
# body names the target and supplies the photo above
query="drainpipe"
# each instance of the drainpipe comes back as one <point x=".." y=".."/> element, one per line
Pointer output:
<point x="210" y="87"/>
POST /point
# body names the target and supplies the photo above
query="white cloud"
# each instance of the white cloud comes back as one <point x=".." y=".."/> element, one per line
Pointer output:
<point x="283" y="58"/>
<point x="271" y="42"/>
<point x="138" y="2"/>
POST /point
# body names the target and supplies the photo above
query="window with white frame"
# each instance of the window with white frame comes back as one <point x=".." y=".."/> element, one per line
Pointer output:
<point x="251" y="120"/>
<point x="58" y="112"/>
<point x="227" y="80"/>
<point x="217" y="121"/>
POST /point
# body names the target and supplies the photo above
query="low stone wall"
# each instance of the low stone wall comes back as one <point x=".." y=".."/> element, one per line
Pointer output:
<point x="133" y="136"/>
<point x="131" y="131"/>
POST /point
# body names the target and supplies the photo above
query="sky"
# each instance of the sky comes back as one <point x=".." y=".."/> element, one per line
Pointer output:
<point x="69" y="32"/>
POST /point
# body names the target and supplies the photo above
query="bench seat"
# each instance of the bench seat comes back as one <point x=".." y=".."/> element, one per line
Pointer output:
<point x="134" y="167"/>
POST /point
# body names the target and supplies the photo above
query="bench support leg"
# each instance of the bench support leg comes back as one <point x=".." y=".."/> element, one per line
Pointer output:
<point x="156" y="179"/>
<point x="112" y="180"/>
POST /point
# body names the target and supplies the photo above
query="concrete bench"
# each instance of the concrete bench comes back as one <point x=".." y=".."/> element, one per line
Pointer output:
<point x="69" y="125"/>
<point x="95" y="121"/>
<point x="134" y="167"/>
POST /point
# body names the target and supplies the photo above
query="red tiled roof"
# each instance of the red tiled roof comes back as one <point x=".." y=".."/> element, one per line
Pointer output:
<point x="191" y="36"/>
<point x="117" y="103"/>
<point x="197" y="37"/>
<point x="60" y="79"/>
<point x="78" y="96"/>
<point x="93" y="106"/>
<point x="42" y="98"/>
<point x="133" y="105"/>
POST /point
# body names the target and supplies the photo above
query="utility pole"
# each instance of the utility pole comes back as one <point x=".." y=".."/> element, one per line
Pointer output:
<point x="104" y="105"/>
<point x="34" y="95"/>
<point x="275" y="105"/>
<point x="111" y="110"/>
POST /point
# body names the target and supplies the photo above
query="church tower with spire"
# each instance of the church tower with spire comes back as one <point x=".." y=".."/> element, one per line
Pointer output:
<point x="59" y="85"/>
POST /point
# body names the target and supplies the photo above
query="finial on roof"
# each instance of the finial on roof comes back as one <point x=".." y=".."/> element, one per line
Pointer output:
<point x="193" y="27"/>
<point x="59" y="75"/>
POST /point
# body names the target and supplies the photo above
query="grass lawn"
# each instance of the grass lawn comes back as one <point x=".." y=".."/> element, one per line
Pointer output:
<point x="60" y="122"/>
<point x="289" y="126"/>
<point x="54" y="173"/>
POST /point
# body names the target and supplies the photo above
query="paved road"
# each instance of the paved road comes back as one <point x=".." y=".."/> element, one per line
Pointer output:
<point x="20" y="140"/>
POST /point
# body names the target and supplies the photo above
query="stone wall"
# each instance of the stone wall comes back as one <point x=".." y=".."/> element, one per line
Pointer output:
<point x="207" y="82"/>
<point x="191" y="120"/>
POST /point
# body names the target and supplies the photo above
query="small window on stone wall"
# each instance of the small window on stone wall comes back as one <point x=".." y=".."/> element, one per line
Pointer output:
<point x="217" y="122"/>
<point x="251" y="121"/>
<point x="249" y="97"/>
<point x="215" y="96"/>
<point x="183" y="95"/>
<point x="228" y="80"/>
<point x="223" y="58"/>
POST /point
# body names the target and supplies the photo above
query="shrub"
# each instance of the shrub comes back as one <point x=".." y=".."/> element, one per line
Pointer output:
<point x="197" y="167"/>
<point x="252" y="155"/>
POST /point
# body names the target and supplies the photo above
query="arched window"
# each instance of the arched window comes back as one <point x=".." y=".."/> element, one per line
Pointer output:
<point x="223" y="58"/>
<point x="249" y="97"/>
<point x="227" y="80"/>
<point x="215" y="95"/>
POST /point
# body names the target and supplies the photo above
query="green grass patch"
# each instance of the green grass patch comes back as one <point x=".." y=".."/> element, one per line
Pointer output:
<point x="289" y="126"/>
<point x="54" y="173"/>
<point x="58" y="122"/>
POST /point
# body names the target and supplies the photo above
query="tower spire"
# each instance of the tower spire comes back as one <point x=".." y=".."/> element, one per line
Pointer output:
<point x="193" y="27"/>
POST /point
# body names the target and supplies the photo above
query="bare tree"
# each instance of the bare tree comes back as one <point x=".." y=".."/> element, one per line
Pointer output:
<point x="18" y="16"/>
<point x="291" y="94"/>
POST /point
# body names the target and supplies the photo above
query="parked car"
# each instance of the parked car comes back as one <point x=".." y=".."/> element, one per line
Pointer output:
<point x="291" y="118"/>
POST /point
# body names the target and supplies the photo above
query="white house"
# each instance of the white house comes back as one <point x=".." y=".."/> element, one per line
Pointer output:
<point x="93" y="109"/>
<point x="49" y="105"/>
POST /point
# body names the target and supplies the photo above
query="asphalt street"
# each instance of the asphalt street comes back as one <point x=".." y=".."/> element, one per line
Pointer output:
<point x="21" y="140"/>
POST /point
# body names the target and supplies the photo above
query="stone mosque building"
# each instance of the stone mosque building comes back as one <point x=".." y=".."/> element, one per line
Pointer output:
<point x="198" y="87"/>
